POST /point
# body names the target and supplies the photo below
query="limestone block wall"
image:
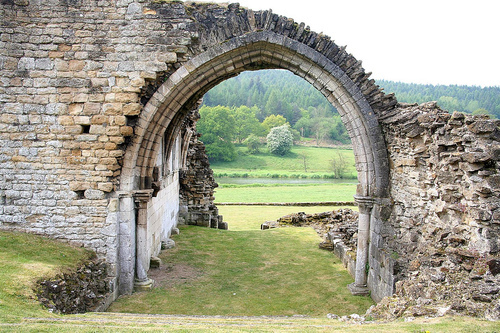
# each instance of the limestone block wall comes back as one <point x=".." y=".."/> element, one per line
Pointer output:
<point x="72" y="77"/>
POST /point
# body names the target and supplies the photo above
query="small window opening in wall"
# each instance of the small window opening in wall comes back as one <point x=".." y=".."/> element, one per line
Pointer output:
<point x="132" y="120"/>
<point x="86" y="129"/>
<point x="80" y="194"/>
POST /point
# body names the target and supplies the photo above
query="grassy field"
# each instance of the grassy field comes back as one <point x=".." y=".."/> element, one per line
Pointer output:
<point x="290" y="193"/>
<point x="289" y="166"/>
<point x="25" y="258"/>
<point x="250" y="273"/>
<point x="241" y="218"/>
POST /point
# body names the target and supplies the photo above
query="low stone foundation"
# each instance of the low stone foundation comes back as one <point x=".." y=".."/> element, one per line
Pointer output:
<point x="86" y="289"/>
<point x="337" y="228"/>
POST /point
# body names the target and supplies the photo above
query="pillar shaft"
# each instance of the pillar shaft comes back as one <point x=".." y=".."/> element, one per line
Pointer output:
<point x="142" y="258"/>
<point x="365" y="204"/>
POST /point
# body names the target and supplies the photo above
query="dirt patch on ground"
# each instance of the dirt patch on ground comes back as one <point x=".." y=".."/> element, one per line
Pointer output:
<point x="169" y="275"/>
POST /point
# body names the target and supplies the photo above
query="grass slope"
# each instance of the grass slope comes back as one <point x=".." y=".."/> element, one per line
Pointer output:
<point x="291" y="165"/>
<point x="23" y="259"/>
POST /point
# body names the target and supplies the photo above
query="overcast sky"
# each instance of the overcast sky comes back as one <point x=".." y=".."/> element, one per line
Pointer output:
<point x="424" y="41"/>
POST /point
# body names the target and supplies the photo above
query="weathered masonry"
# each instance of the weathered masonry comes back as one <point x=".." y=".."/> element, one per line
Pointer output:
<point x="95" y="98"/>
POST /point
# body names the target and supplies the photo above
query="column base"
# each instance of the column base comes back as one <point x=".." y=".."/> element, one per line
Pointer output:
<point x="143" y="285"/>
<point x="357" y="290"/>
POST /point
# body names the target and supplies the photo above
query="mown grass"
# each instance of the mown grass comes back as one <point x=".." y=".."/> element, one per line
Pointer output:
<point x="278" y="193"/>
<point x="24" y="258"/>
<point x="251" y="273"/>
<point x="267" y="165"/>
<point x="242" y="218"/>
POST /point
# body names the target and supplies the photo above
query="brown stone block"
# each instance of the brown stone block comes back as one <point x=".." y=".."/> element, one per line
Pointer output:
<point x="132" y="109"/>
<point x="64" y="47"/>
<point x="96" y="98"/>
<point x="108" y="161"/>
<point x="122" y="81"/>
<point x="82" y="120"/>
<point x="19" y="158"/>
<point x="92" y="108"/>
<point x="103" y="139"/>
<point x="97" y="129"/>
<point x="80" y="98"/>
<point x="8" y="118"/>
<point x="102" y="153"/>
<point x="112" y="108"/>
<point x="110" y="146"/>
<point x="126" y="97"/>
<point x="78" y="186"/>
<point x="99" y="120"/>
<point x="148" y="75"/>
<point x="113" y="130"/>
<point x="65" y="98"/>
<point x="127" y="130"/>
<point x="116" y="153"/>
<point x="75" y="160"/>
<point x="114" y="167"/>
<point x="56" y="54"/>
<point x="76" y="65"/>
<point x="75" y="129"/>
<point x="118" y="120"/>
<point x="117" y="139"/>
<point x="137" y="82"/>
<point x="105" y="187"/>
<point x="99" y="82"/>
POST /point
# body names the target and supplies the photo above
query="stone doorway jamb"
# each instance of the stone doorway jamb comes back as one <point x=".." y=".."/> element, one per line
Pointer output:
<point x="359" y="287"/>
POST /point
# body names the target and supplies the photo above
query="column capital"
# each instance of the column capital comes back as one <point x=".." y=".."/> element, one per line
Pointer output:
<point x="142" y="195"/>
<point x="365" y="204"/>
<point x="124" y="194"/>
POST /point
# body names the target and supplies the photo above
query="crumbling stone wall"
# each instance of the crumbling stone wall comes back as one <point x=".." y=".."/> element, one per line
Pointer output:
<point x="445" y="223"/>
<point x="197" y="182"/>
<point x="83" y="290"/>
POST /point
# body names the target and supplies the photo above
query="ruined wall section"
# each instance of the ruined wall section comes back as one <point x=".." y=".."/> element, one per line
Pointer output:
<point x="197" y="182"/>
<point x="444" y="229"/>
<point x="72" y="77"/>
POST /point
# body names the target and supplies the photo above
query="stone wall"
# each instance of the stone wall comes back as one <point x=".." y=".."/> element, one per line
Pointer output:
<point x="444" y="228"/>
<point x="197" y="183"/>
<point x="83" y="290"/>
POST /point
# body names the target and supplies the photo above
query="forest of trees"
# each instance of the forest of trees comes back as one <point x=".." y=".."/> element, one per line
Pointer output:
<point x="258" y="101"/>
<point x="469" y="99"/>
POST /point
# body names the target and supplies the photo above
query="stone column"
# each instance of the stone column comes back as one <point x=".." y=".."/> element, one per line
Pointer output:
<point x="365" y="204"/>
<point x="142" y="282"/>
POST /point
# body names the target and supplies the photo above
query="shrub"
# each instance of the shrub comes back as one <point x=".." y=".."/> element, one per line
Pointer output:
<point x="279" y="140"/>
<point x="252" y="143"/>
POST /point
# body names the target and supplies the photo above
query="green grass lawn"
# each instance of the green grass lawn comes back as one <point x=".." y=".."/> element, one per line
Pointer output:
<point x="281" y="193"/>
<point x="291" y="165"/>
<point x="248" y="272"/>
<point x="25" y="258"/>
<point x="241" y="218"/>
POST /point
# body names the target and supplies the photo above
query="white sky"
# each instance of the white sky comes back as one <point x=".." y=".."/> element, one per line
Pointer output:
<point x="424" y="41"/>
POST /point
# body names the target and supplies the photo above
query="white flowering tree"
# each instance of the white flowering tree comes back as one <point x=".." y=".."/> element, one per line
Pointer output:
<point x="279" y="140"/>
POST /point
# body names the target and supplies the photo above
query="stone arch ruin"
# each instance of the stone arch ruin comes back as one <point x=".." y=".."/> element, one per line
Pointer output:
<point x="95" y="106"/>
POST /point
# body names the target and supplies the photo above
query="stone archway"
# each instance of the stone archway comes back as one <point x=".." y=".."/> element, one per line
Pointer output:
<point x="167" y="108"/>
